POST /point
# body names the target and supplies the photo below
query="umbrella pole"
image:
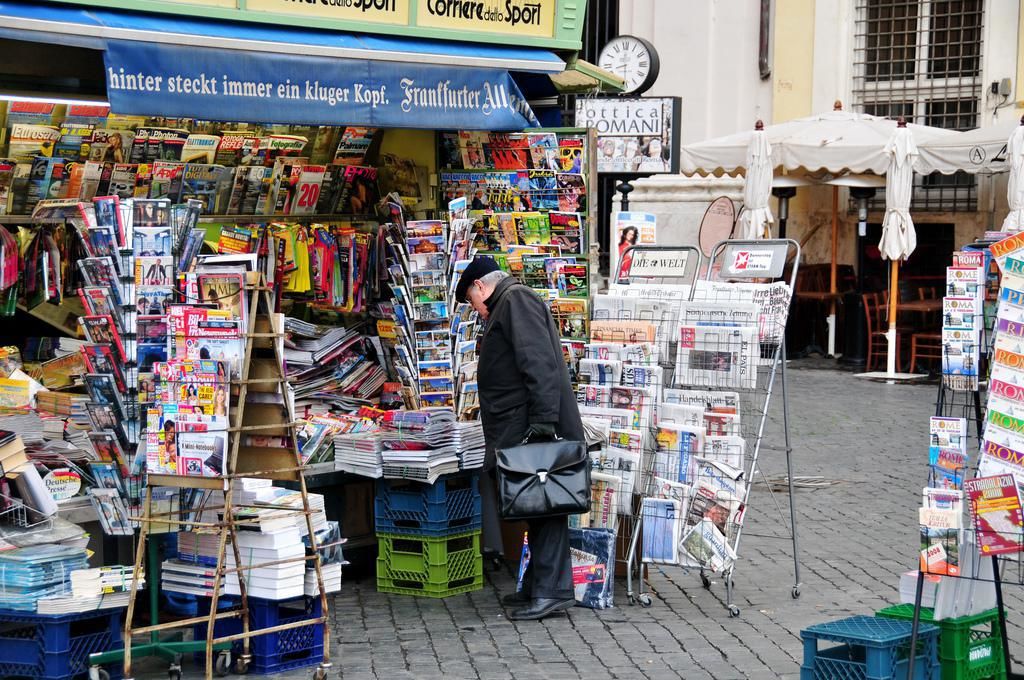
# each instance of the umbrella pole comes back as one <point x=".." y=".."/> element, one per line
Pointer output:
<point x="890" y="335"/>
<point x="833" y="273"/>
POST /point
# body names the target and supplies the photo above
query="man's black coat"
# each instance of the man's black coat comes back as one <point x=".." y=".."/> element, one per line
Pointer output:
<point x="521" y="376"/>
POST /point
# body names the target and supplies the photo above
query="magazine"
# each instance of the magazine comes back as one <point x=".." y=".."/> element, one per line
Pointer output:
<point x="707" y="547"/>
<point x="111" y="510"/>
<point x="996" y="513"/>
<point x="25" y="142"/>
<point x="152" y="241"/>
<point x="236" y="148"/>
<point x="102" y="330"/>
<point x="662" y="529"/>
<point x="711" y="356"/>
<point x="572" y="192"/>
<point x="166" y="181"/>
<point x="947" y="450"/>
<point x="101" y="359"/>
<point x="604" y="501"/>
<point x="940" y="541"/>
<point x="677" y="446"/>
<point x="961" y="356"/>
<point x="359" y="194"/>
<point x="199" y="333"/>
<point x="961" y="312"/>
<point x="208" y="184"/>
<point x="625" y="465"/>
<point x="103" y="391"/>
<point x="200" y="149"/>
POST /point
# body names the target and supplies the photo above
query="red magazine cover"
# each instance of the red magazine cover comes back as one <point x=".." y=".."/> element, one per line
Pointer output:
<point x="101" y="330"/>
<point x="996" y="512"/>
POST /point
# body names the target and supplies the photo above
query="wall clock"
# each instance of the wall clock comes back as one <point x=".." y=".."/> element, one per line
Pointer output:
<point x="633" y="59"/>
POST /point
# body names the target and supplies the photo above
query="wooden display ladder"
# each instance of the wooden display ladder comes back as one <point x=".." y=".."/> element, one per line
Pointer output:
<point x="262" y="372"/>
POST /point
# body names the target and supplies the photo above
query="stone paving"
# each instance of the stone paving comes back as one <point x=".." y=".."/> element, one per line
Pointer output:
<point x="855" y="538"/>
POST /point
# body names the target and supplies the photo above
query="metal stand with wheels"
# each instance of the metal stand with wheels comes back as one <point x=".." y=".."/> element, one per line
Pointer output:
<point x="705" y="371"/>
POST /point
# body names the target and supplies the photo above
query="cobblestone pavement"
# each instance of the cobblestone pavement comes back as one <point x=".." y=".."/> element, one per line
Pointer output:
<point x="855" y="538"/>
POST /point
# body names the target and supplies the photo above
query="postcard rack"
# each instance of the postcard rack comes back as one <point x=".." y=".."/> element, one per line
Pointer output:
<point x="723" y="362"/>
<point x="261" y="409"/>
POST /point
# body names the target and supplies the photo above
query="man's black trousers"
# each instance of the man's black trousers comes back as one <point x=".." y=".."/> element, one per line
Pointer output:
<point x="549" y="574"/>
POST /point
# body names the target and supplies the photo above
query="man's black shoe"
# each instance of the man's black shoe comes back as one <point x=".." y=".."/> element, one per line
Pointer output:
<point x="518" y="597"/>
<point x="541" y="607"/>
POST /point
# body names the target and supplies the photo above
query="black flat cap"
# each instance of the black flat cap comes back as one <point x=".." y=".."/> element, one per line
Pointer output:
<point x="480" y="266"/>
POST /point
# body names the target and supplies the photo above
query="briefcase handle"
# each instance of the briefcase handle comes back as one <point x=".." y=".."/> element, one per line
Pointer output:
<point x="528" y="438"/>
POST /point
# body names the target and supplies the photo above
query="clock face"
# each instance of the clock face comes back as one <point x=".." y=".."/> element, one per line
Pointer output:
<point x="632" y="59"/>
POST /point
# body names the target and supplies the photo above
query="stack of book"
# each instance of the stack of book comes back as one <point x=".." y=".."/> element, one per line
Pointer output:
<point x="266" y="535"/>
<point x="92" y="589"/>
<point x="332" y="559"/>
<point x="281" y="581"/>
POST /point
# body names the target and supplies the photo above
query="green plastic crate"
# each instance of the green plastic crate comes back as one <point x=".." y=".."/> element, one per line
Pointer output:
<point x="970" y="647"/>
<point x="429" y="567"/>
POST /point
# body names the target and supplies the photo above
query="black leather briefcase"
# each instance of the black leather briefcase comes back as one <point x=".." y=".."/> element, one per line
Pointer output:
<point x="544" y="479"/>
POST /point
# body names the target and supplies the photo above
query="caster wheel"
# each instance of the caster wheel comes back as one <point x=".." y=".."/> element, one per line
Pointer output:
<point x="174" y="674"/>
<point x="796" y="592"/>
<point x="97" y="673"/>
<point x="222" y="665"/>
<point x="734" y="611"/>
<point x="706" y="581"/>
<point x="645" y="601"/>
<point x="632" y="599"/>
<point x="241" y="666"/>
<point x="320" y="674"/>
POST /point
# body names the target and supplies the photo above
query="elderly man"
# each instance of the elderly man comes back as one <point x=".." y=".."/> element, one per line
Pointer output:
<point x="525" y="391"/>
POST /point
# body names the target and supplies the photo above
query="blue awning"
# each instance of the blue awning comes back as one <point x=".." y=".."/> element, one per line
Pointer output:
<point x="217" y="70"/>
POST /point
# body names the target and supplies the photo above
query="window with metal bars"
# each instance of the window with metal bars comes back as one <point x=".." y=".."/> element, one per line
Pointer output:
<point x="921" y="59"/>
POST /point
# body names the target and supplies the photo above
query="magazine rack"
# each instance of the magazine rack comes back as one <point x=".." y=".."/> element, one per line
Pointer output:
<point x="270" y="415"/>
<point x="962" y="397"/>
<point x="710" y="360"/>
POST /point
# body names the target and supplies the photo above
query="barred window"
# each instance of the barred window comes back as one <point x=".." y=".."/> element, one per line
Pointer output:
<point x="921" y="59"/>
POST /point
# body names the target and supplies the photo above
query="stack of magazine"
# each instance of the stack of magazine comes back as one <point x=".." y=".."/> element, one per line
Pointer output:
<point x="28" y="574"/>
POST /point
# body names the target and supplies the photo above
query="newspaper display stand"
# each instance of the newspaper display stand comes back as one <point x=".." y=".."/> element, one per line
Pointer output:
<point x="720" y="351"/>
<point x="268" y="414"/>
<point x="662" y="276"/>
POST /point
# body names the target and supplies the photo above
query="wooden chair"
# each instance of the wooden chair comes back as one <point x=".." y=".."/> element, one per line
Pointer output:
<point x="929" y="319"/>
<point x="875" y="315"/>
<point x="925" y="347"/>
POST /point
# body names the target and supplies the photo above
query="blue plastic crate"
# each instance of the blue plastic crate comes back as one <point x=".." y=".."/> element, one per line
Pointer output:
<point x="44" y="647"/>
<point x="286" y="649"/>
<point x="870" y="649"/>
<point x="449" y="506"/>
<point x="274" y="652"/>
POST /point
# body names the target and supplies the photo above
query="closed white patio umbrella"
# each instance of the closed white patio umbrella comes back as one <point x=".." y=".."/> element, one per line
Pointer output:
<point x="756" y="218"/>
<point x="1015" y="187"/>
<point x="899" y="239"/>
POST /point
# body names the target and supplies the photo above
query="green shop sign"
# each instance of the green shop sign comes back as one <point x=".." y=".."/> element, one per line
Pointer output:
<point x="556" y="24"/>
